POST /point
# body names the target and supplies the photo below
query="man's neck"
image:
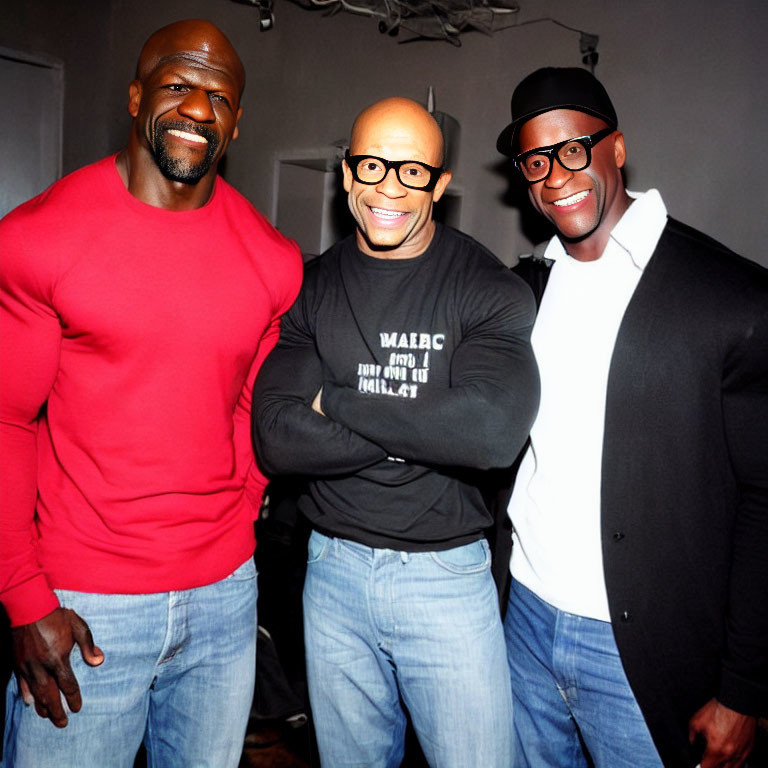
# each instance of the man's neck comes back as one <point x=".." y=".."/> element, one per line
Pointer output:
<point x="591" y="247"/>
<point x="143" y="179"/>
<point x="408" y="250"/>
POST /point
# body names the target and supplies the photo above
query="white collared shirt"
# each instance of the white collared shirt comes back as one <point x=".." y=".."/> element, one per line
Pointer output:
<point x="555" y="505"/>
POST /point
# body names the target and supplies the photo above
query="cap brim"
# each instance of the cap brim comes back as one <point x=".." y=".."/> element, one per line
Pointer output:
<point x="504" y="143"/>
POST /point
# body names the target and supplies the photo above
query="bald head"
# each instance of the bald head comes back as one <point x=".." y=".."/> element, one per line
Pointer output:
<point x="394" y="215"/>
<point x="194" y="40"/>
<point x="185" y="105"/>
<point x="398" y="120"/>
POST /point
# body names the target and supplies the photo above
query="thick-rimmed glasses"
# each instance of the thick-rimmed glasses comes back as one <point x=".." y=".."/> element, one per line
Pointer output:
<point x="573" y="154"/>
<point x="369" y="169"/>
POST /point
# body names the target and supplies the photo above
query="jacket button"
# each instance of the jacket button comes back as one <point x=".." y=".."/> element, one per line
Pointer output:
<point x="625" y="616"/>
<point x="618" y="536"/>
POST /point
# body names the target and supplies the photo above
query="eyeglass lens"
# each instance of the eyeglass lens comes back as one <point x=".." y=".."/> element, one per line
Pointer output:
<point x="573" y="155"/>
<point x="371" y="170"/>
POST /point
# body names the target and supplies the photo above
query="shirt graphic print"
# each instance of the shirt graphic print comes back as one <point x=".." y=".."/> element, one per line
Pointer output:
<point x="408" y="357"/>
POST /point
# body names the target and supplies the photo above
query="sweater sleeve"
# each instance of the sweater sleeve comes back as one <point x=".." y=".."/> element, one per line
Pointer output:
<point x="255" y="481"/>
<point x="482" y="420"/>
<point x="30" y="342"/>
<point x="744" y="675"/>
<point x="289" y="436"/>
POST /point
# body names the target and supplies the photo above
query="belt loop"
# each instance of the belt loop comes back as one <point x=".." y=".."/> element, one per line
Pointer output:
<point x="404" y="557"/>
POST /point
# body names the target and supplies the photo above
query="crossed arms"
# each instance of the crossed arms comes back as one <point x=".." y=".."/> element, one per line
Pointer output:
<point x="480" y="421"/>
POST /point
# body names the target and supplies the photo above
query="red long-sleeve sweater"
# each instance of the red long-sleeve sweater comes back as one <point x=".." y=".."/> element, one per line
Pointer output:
<point x="130" y="337"/>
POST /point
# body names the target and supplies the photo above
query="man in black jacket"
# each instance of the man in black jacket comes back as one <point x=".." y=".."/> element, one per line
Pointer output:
<point x="637" y="626"/>
<point x="402" y="372"/>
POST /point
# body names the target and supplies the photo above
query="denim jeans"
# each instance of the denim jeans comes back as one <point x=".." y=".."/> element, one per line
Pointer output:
<point x="568" y="685"/>
<point x="385" y="629"/>
<point x="178" y="673"/>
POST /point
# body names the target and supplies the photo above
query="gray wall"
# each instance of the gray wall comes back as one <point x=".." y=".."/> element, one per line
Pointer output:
<point x="686" y="78"/>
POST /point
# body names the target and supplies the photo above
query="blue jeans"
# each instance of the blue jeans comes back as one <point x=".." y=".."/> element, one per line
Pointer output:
<point x="178" y="674"/>
<point x="386" y="628"/>
<point x="569" y="686"/>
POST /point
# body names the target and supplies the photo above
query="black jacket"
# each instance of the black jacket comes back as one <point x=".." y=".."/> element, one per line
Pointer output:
<point x="685" y="485"/>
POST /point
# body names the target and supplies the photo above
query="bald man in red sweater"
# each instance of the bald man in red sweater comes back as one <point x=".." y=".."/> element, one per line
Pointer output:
<point x="138" y="298"/>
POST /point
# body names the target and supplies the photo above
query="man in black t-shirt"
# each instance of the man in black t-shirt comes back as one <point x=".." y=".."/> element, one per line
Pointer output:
<point x="403" y="372"/>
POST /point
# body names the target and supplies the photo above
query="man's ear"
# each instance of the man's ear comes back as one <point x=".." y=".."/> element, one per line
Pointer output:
<point x="236" y="132"/>
<point x="619" y="150"/>
<point x="134" y="98"/>
<point x="442" y="183"/>
<point x="348" y="179"/>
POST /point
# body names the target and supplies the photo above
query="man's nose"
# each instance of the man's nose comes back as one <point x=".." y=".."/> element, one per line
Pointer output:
<point x="558" y="176"/>
<point x="390" y="185"/>
<point x="197" y="106"/>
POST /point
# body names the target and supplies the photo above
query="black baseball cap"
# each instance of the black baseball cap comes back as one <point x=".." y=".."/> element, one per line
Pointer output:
<point x="555" y="88"/>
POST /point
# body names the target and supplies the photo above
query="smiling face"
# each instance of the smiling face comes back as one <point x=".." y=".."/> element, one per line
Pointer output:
<point x="393" y="221"/>
<point x="185" y="99"/>
<point x="585" y="205"/>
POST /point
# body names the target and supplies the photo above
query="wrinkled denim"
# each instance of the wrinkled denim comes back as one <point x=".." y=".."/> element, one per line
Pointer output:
<point x="178" y="673"/>
<point x="568" y="684"/>
<point x="384" y="627"/>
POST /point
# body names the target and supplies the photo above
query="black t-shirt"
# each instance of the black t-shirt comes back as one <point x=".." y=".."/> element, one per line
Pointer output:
<point x="427" y="377"/>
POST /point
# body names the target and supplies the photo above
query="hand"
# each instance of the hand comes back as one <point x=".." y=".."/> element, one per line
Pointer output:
<point x="729" y="736"/>
<point x="41" y="652"/>
<point x="316" y="402"/>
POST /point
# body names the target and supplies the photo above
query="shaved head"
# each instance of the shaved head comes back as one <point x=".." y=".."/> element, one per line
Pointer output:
<point x="185" y="105"/>
<point x="394" y="220"/>
<point x="191" y="40"/>
<point x="398" y="117"/>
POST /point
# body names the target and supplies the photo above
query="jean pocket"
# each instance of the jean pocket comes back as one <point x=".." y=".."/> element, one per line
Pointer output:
<point x="245" y="572"/>
<point x="469" y="558"/>
<point x="318" y="547"/>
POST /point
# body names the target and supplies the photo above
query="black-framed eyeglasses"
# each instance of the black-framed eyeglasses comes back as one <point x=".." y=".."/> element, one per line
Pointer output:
<point x="573" y="154"/>
<point x="369" y="169"/>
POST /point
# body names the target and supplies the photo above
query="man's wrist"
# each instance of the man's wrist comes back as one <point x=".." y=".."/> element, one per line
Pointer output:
<point x="29" y="602"/>
<point x="742" y="695"/>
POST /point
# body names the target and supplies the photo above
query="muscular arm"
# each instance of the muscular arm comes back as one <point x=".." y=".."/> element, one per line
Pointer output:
<point x="30" y="343"/>
<point x="744" y="678"/>
<point x="481" y="421"/>
<point x="289" y="436"/>
<point x="43" y="633"/>
<point x="727" y="724"/>
<point x="255" y="481"/>
<point x="287" y="282"/>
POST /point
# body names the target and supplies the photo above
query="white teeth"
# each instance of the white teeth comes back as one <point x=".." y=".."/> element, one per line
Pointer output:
<point x="572" y="199"/>
<point x="189" y="136"/>
<point x="385" y="212"/>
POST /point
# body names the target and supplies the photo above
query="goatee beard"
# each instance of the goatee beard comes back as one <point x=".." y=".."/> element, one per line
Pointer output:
<point x="181" y="168"/>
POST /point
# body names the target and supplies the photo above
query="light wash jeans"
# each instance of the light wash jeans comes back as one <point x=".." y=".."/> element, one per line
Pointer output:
<point x="178" y="673"/>
<point x="386" y="628"/>
<point x="568" y="683"/>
